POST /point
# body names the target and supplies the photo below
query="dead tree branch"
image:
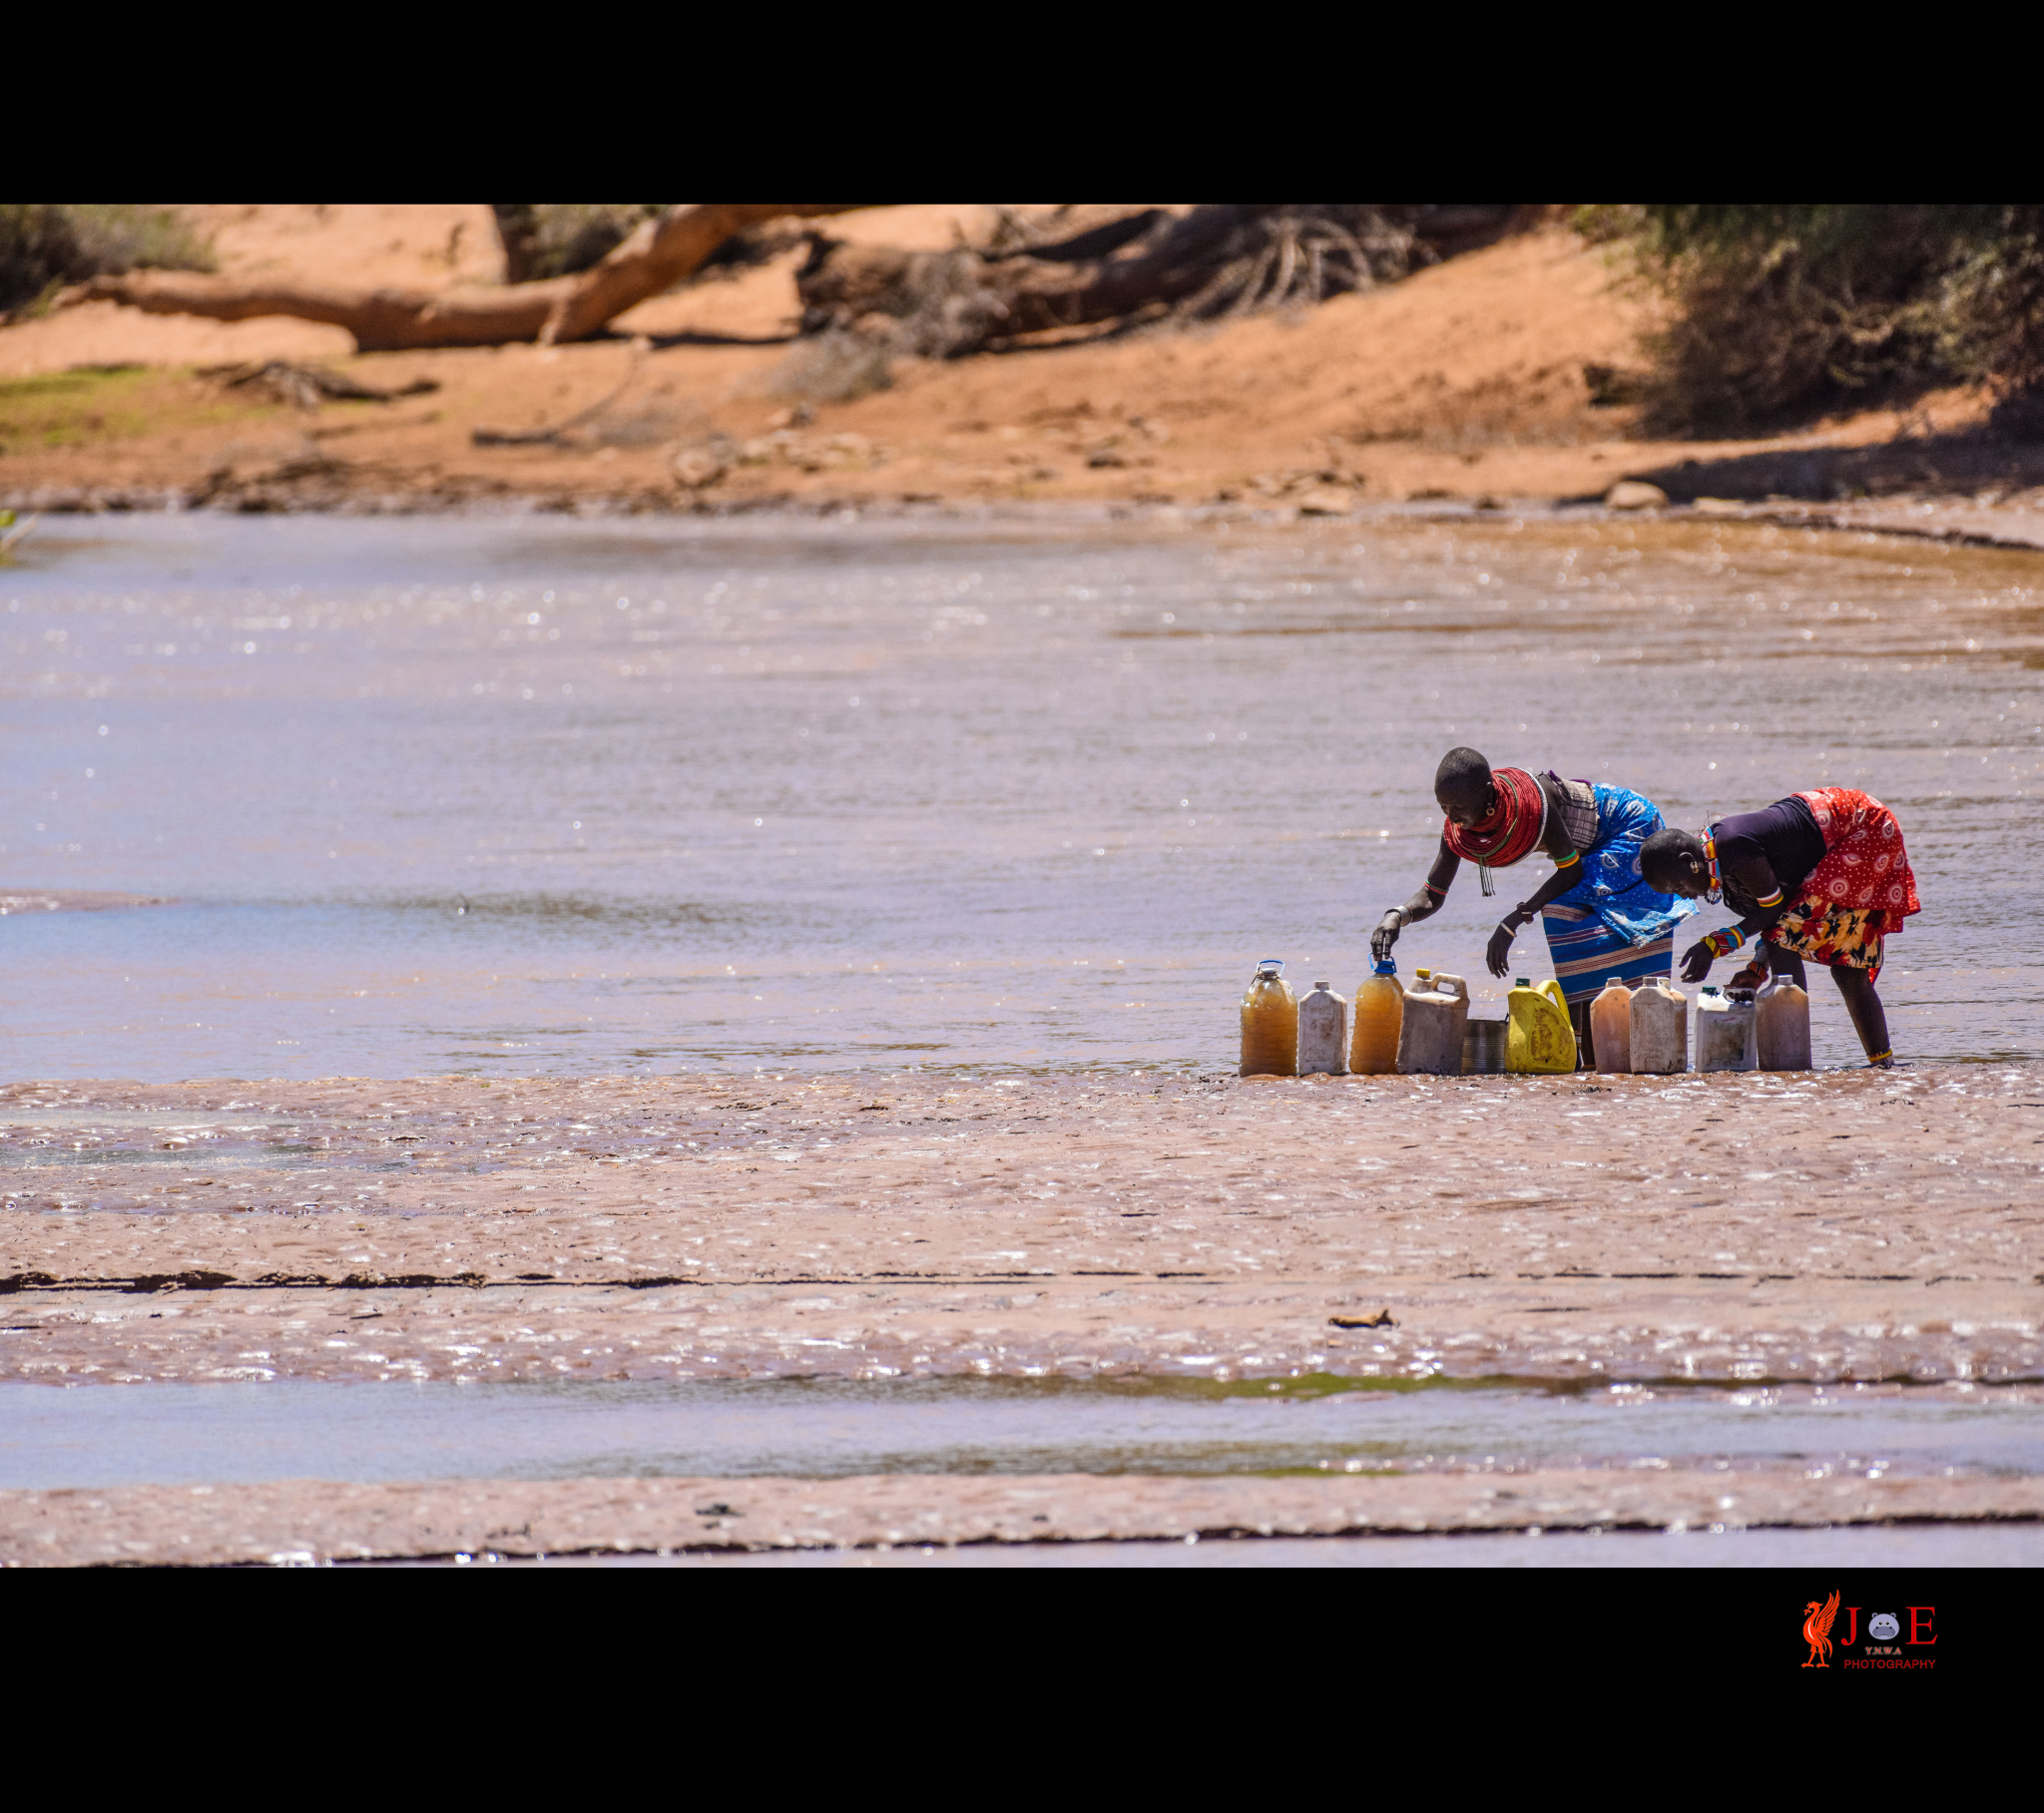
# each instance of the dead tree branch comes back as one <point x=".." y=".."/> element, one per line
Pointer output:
<point x="1218" y="260"/>
<point x="660" y="254"/>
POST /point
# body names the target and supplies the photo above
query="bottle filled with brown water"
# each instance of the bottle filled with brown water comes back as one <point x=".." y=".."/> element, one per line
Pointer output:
<point x="1269" y="1023"/>
<point x="1781" y="1026"/>
<point x="1611" y="1029"/>
<point x="1374" y="1017"/>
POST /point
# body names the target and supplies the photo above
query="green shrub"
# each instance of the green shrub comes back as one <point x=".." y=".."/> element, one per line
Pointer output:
<point x="1778" y="308"/>
<point x="47" y="244"/>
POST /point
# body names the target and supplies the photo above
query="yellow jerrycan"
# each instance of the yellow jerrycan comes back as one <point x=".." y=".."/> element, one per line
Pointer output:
<point x="1269" y="1024"/>
<point x="1539" y="1037"/>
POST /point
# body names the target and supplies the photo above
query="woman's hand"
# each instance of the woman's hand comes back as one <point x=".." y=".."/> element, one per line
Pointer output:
<point x="1697" y="961"/>
<point x="1386" y="935"/>
<point x="1499" y="955"/>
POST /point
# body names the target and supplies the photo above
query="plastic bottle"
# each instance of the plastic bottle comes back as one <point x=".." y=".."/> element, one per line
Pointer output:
<point x="1725" y="1033"/>
<point x="1435" y="1012"/>
<point x="1375" y="1016"/>
<point x="1323" y="1034"/>
<point x="1539" y="1038"/>
<point x="1781" y="1026"/>
<point x="1660" y="1029"/>
<point x="1269" y="1024"/>
<point x="1611" y="1029"/>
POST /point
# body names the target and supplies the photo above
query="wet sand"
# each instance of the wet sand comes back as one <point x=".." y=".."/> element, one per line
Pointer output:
<point x="313" y="1521"/>
<point x="1841" y="1226"/>
<point x="1833" y="1226"/>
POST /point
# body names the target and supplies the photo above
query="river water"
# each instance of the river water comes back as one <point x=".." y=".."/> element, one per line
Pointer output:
<point x="175" y="1434"/>
<point x="547" y="796"/>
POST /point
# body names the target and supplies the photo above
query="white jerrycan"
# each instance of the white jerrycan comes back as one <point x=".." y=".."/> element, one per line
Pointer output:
<point x="1430" y="1035"/>
<point x="1660" y="1029"/>
<point x="1323" y="1034"/>
<point x="1725" y="1033"/>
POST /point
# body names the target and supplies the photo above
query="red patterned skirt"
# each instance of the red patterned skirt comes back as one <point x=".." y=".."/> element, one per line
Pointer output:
<point x="1859" y="894"/>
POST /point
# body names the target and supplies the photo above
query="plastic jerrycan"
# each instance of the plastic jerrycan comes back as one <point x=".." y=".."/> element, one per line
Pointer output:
<point x="1434" y="1013"/>
<point x="1611" y="1029"/>
<point x="1725" y="1033"/>
<point x="1269" y="1024"/>
<point x="1375" y="1016"/>
<point x="1323" y="1034"/>
<point x="1781" y="1026"/>
<point x="1660" y="1029"/>
<point x="1538" y="1036"/>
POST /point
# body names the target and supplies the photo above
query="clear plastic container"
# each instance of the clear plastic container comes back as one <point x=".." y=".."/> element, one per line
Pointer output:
<point x="1269" y="1023"/>
<point x="1374" y="1017"/>
<point x="1611" y="1029"/>
<point x="1781" y="1026"/>
<point x="1725" y="1033"/>
<point x="1323" y="1034"/>
<point x="1539" y="1038"/>
<point x="1659" y="1044"/>
<point x="1434" y="1013"/>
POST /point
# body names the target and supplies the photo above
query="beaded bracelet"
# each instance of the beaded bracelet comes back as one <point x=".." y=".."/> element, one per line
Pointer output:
<point x="1724" y="943"/>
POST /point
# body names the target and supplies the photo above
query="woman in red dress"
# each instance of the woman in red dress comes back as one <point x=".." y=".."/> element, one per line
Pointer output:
<point x="1821" y="875"/>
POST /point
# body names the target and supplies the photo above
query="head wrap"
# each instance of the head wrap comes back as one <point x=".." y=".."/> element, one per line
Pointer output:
<point x="1512" y="827"/>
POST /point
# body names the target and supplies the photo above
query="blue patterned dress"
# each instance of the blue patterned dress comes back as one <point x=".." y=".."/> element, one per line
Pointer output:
<point x="1611" y="923"/>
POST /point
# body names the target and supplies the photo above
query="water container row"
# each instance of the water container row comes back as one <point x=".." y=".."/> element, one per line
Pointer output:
<point x="1427" y="1030"/>
<point x="1645" y="1030"/>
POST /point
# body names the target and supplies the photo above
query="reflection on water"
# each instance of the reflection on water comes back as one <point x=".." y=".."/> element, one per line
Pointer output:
<point x="177" y="1434"/>
<point x="484" y="796"/>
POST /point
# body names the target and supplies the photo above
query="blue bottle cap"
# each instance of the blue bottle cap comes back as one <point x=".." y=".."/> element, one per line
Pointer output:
<point x="1386" y="967"/>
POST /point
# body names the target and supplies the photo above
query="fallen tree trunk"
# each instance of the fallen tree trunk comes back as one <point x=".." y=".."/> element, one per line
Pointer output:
<point x="1215" y="259"/>
<point x="660" y="254"/>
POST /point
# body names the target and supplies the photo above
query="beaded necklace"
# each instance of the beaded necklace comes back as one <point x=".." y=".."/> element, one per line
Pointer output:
<point x="1716" y="891"/>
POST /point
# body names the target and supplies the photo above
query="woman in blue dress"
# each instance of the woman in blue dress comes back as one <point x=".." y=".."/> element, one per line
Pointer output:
<point x="1601" y="917"/>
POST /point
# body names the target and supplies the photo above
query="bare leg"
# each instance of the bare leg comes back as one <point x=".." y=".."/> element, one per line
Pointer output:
<point x="1586" y="1048"/>
<point x="1868" y="1019"/>
<point x="1786" y="963"/>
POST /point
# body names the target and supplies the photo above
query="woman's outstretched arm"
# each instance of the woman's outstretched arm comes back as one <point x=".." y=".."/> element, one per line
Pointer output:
<point x="1422" y="905"/>
<point x="1567" y="871"/>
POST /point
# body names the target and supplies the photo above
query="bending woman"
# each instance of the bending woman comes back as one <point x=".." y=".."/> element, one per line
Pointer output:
<point x="1822" y="875"/>
<point x="1601" y="917"/>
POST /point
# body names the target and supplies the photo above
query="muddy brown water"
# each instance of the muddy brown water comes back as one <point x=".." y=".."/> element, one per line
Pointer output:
<point x="529" y="796"/>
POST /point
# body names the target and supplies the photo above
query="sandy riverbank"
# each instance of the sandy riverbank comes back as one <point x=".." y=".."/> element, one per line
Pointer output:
<point x="307" y="1521"/>
<point x="1841" y="1227"/>
<point x="1464" y="382"/>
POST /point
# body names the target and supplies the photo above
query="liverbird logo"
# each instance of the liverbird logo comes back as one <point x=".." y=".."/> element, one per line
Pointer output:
<point x="1817" y="1631"/>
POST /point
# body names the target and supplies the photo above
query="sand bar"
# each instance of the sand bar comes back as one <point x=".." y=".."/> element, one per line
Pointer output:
<point x="307" y="1521"/>
<point x="1843" y="1225"/>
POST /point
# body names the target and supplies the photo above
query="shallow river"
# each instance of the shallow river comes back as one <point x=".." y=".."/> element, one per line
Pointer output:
<point x="814" y="1429"/>
<point x="547" y="796"/>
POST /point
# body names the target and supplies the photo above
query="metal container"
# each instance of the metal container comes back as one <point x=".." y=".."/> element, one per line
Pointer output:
<point x="1483" y="1047"/>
